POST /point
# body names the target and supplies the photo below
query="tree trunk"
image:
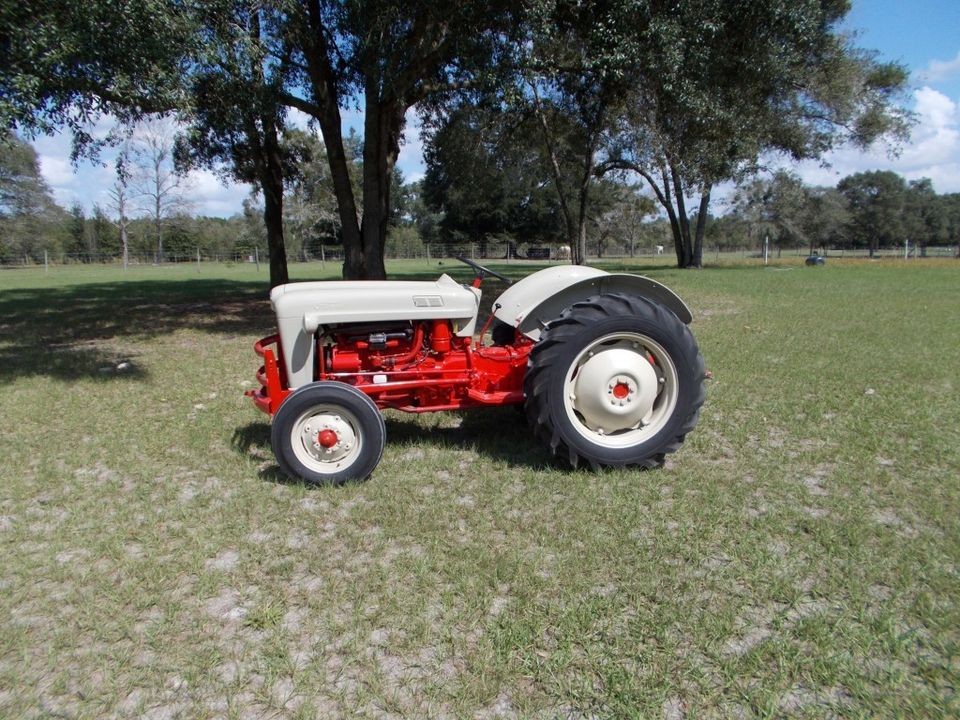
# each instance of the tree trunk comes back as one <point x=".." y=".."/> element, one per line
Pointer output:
<point x="573" y="235"/>
<point x="323" y="84"/>
<point x="262" y="134"/>
<point x="665" y="198"/>
<point x="271" y="182"/>
<point x="382" y="125"/>
<point x="697" y="259"/>
<point x="685" y="253"/>
<point x="158" y="228"/>
<point x="583" y="199"/>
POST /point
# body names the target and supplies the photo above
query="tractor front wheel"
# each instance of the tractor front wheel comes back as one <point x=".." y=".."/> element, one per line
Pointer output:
<point x="328" y="433"/>
<point x="615" y="381"/>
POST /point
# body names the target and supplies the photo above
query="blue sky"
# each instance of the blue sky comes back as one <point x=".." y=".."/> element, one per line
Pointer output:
<point x="924" y="35"/>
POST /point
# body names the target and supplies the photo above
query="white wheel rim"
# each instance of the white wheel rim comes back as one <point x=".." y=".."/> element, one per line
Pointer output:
<point x="326" y="439"/>
<point x="615" y="396"/>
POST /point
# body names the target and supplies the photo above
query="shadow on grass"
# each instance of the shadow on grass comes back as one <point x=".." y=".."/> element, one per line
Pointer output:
<point x="499" y="434"/>
<point x="253" y="441"/>
<point x="77" y="331"/>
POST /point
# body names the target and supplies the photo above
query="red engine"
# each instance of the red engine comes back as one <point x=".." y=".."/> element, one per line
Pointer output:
<point x="411" y="366"/>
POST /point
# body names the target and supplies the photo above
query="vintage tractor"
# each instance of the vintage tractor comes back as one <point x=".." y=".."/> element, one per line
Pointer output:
<point x="604" y="365"/>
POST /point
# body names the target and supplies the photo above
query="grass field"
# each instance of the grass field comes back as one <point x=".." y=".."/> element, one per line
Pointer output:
<point x="800" y="555"/>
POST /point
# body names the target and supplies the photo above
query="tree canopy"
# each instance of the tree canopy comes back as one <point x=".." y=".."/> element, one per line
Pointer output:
<point x="682" y="96"/>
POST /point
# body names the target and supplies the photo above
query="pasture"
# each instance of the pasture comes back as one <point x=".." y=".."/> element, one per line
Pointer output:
<point x="799" y="556"/>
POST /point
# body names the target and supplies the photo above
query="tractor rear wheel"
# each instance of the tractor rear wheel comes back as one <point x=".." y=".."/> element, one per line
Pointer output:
<point x="328" y="433"/>
<point x="616" y="381"/>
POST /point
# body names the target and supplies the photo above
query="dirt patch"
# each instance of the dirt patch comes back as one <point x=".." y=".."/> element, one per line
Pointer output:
<point x="227" y="560"/>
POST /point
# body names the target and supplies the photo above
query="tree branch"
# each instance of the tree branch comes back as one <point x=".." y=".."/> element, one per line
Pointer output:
<point x="300" y="104"/>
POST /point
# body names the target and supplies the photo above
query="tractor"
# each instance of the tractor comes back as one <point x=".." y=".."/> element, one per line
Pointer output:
<point x="603" y="364"/>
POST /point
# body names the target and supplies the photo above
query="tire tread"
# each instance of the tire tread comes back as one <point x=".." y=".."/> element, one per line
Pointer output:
<point x="566" y="329"/>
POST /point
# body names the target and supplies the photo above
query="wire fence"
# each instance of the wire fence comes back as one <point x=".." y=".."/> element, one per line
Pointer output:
<point x="474" y="251"/>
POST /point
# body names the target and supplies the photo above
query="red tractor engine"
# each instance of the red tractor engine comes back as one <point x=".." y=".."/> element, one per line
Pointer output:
<point x="422" y="366"/>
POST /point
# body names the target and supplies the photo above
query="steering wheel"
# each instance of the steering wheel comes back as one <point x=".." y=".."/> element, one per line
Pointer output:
<point x="483" y="271"/>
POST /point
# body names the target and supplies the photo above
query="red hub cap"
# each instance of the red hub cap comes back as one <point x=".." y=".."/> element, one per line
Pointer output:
<point x="327" y="438"/>
<point x="621" y="390"/>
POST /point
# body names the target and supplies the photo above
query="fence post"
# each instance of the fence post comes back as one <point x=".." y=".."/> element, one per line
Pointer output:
<point x="46" y="262"/>
<point x="198" y="259"/>
<point x="256" y="257"/>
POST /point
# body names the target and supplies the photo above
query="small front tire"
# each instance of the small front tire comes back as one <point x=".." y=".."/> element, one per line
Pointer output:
<point x="328" y="433"/>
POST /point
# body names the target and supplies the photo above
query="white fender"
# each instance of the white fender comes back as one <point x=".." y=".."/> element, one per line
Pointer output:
<point x="530" y="303"/>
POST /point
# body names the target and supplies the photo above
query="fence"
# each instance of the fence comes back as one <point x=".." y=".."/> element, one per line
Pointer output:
<point x="474" y="251"/>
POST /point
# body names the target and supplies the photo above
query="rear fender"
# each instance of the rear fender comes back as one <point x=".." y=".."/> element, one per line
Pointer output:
<point x="531" y="303"/>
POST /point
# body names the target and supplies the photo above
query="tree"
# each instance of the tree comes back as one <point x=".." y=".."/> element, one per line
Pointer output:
<point x="77" y="232"/>
<point x="617" y="213"/>
<point x="579" y="61"/>
<point x="924" y="215"/>
<point x="64" y="64"/>
<point x="724" y="84"/>
<point x="236" y="119"/>
<point x="160" y="190"/>
<point x="826" y="217"/>
<point x="390" y="56"/>
<point x="486" y="177"/>
<point x="950" y="205"/>
<point x="119" y="194"/>
<point x="253" y="234"/>
<point x="28" y="212"/>
<point x="571" y="121"/>
<point x="103" y="239"/>
<point x="311" y="207"/>
<point x="712" y="86"/>
<point x="876" y="200"/>
<point x="774" y="207"/>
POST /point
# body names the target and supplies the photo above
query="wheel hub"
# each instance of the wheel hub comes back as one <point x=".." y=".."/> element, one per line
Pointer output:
<point x="615" y="389"/>
<point x="327" y="437"/>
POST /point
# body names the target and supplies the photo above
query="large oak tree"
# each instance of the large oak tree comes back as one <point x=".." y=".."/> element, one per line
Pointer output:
<point x="723" y="84"/>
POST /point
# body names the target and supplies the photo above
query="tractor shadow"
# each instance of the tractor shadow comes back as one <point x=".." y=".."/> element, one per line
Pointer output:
<point x="499" y="434"/>
<point x="252" y="441"/>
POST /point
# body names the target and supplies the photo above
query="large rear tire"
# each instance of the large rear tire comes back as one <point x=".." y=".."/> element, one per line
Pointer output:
<point x="615" y="381"/>
<point x="328" y="433"/>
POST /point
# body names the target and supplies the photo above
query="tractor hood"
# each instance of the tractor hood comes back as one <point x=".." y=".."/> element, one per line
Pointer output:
<point x="348" y="301"/>
<point x="304" y="307"/>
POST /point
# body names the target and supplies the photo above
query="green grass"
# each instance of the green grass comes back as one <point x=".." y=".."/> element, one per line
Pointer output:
<point x="798" y="557"/>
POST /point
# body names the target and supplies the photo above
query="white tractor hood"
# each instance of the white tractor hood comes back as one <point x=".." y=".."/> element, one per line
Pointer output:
<point x="304" y="307"/>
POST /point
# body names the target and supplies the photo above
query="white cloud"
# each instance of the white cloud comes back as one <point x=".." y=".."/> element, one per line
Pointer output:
<point x="938" y="70"/>
<point x="89" y="183"/>
<point x="55" y="170"/>
<point x="410" y="160"/>
<point x="297" y="119"/>
<point x="208" y="195"/>
<point x="933" y="150"/>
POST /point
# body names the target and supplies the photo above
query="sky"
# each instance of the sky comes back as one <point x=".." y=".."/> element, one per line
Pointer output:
<point x="924" y="35"/>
